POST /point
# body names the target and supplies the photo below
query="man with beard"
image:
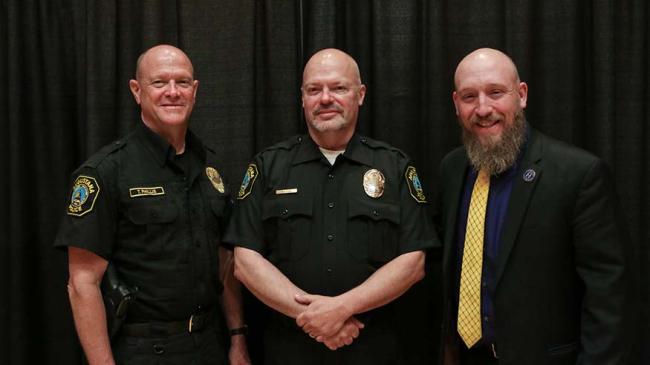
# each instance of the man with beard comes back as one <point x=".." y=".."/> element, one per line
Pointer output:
<point x="330" y="228"/>
<point x="533" y="246"/>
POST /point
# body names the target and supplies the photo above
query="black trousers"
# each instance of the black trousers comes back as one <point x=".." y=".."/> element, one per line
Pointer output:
<point x="198" y="348"/>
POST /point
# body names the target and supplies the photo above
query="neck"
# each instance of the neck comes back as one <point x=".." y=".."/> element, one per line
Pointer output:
<point x="332" y="140"/>
<point x="174" y="135"/>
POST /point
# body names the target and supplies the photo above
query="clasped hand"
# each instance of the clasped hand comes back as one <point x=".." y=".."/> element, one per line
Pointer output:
<point x="327" y="320"/>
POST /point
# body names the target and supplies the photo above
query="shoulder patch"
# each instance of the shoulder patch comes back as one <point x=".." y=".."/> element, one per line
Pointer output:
<point x="247" y="184"/>
<point x="415" y="187"/>
<point x="84" y="193"/>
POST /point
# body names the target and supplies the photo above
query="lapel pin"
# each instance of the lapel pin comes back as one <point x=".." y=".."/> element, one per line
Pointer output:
<point x="529" y="175"/>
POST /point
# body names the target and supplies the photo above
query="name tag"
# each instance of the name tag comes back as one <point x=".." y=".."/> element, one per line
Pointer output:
<point x="286" y="191"/>
<point x="146" y="191"/>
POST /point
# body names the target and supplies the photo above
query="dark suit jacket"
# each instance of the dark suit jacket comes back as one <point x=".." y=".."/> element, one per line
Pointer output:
<point x="560" y="290"/>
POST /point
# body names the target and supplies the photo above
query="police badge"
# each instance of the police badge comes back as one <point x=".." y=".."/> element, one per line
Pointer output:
<point x="247" y="184"/>
<point x="415" y="187"/>
<point x="215" y="179"/>
<point x="373" y="183"/>
<point x="84" y="192"/>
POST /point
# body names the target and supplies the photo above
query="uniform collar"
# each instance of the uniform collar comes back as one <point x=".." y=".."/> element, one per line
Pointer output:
<point x="161" y="150"/>
<point x="356" y="150"/>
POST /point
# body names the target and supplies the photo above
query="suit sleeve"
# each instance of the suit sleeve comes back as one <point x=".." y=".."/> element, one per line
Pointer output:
<point x="600" y="240"/>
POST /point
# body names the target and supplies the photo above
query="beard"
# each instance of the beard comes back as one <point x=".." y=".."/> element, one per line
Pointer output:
<point x="333" y="124"/>
<point x="495" y="154"/>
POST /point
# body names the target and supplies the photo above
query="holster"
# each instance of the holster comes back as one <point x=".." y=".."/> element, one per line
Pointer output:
<point x="117" y="296"/>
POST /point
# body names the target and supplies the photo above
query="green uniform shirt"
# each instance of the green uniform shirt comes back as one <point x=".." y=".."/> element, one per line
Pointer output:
<point x="157" y="216"/>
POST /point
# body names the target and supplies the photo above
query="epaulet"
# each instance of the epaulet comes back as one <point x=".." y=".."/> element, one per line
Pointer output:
<point x="379" y="145"/>
<point x="104" y="152"/>
<point x="286" y="144"/>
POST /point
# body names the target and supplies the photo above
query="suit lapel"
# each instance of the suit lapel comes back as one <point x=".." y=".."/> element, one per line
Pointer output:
<point x="522" y="190"/>
<point x="454" y="183"/>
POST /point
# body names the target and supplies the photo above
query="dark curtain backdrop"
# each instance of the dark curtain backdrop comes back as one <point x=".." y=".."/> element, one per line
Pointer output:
<point x="65" y="66"/>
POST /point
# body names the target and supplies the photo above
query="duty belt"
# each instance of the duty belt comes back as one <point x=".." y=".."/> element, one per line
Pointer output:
<point x="195" y="323"/>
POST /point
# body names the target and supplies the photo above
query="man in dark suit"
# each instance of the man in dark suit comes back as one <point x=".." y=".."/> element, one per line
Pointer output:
<point x="533" y="246"/>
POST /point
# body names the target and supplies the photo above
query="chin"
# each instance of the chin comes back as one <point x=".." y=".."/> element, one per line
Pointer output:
<point x="329" y="125"/>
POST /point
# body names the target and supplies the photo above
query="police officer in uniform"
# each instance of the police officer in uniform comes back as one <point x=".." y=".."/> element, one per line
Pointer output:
<point x="155" y="206"/>
<point x="329" y="229"/>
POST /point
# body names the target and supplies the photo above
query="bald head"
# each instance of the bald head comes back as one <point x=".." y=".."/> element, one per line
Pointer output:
<point x="331" y="96"/>
<point x="332" y="58"/>
<point x="161" y="53"/>
<point x="482" y="60"/>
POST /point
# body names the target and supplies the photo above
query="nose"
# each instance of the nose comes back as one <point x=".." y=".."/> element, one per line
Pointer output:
<point x="325" y="96"/>
<point x="484" y="107"/>
<point x="172" y="88"/>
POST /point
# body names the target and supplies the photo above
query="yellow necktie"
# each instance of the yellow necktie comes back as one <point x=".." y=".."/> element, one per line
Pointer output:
<point x="469" y="302"/>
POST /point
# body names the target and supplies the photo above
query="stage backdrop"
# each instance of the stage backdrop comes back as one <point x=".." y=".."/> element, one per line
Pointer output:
<point x="65" y="66"/>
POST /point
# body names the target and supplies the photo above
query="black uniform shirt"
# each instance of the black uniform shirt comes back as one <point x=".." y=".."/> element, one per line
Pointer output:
<point x="318" y="224"/>
<point x="157" y="216"/>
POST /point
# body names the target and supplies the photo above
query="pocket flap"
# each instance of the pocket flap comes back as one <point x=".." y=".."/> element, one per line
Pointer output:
<point x="284" y="207"/>
<point x="374" y="210"/>
<point x="152" y="213"/>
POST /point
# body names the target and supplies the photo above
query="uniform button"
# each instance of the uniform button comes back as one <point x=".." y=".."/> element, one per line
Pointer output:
<point x="299" y="139"/>
<point x="330" y="205"/>
<point x="363" y="140"/>
<point x="158" y="348"/>
<point x="484" y="284"/>
<point x="375" y="213"/>
<point x="284" y="212"/>
<point x="485" y="318"/>
<point x="330" y="237"/>
<point x="330" y="176"/>
<point x="329" y="270"/>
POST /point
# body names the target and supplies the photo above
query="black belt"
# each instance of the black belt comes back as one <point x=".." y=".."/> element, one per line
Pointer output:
<point x="196" y="322"/>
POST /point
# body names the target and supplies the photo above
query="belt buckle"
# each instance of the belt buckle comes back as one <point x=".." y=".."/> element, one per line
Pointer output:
<point x="494" y="350"/>
<point x="190" y="324"/>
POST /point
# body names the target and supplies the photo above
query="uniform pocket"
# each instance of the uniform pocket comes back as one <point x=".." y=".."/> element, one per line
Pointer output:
<point x="152" y="226"/>
<point x="373" y="230"/>
<point x="287" y="227"/>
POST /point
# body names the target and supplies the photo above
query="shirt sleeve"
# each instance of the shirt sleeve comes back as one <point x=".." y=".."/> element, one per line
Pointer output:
<point x="416" y="229"/>
<point x="246" y="225"/>
<point x="89" y="219"/>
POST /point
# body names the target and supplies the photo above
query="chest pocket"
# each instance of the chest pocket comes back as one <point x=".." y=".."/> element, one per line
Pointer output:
<point x="152" y="227"/>
<point x="373" y="231"/>
<point x="287" y="227"/>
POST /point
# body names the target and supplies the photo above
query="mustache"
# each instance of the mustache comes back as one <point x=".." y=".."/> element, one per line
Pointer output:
<point x="320" y="109"/>
<point x="493" y="117"/>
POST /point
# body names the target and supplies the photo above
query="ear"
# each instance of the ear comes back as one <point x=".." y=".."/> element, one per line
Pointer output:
<point x="362" y="94"/>
<point x="135" y="90"/>
<point x="454" y="97"/>
<point x="523" y="94"/>
<point x="196" y="88"/>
